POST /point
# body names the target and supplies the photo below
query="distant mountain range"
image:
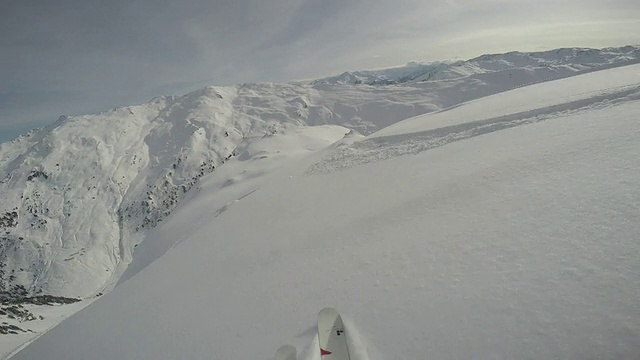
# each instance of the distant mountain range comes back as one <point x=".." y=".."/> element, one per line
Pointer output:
<point x="571" y="59"/>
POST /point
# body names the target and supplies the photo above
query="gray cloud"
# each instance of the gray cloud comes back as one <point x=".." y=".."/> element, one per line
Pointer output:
<point x="73" y="56"/>
<point x="310" y="17"/>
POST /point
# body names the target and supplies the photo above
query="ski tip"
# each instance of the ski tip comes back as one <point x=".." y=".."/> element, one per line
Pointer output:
<point x="328" y="310"/>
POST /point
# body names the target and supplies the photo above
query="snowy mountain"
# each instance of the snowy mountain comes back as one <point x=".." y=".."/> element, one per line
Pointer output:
<point x="228" y="193"/>
<point x="505" y="227"/>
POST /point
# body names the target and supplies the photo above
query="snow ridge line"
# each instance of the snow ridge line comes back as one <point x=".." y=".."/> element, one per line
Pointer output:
<point x="387" y="147"/>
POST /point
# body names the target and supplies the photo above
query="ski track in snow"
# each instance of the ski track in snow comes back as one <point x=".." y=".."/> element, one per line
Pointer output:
<point x="386" y="147"/>
<point x="228" y="205"/>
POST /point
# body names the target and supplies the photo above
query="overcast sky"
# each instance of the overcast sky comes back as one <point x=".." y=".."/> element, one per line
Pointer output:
<point x="82" y="56"/>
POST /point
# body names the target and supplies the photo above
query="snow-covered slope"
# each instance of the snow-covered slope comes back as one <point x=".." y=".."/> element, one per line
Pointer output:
<point x="506" y="227"/>
<point x="78" y="196"/>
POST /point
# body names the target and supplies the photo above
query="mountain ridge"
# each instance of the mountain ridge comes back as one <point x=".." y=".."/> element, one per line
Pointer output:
<point x="80" y="194"/>
<point x="579" y="59"/>
<point x="516" y="210"/>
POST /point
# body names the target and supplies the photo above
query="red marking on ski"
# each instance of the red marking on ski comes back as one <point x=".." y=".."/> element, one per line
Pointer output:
<point x="324" y="352"/>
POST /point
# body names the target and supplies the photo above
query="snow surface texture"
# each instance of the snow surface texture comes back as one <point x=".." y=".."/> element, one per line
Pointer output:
<point x="502" y="228"/>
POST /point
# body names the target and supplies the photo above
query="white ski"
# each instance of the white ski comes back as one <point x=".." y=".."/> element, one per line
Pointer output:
<point x="331" y="336"/>
<point x="286" y="352"/>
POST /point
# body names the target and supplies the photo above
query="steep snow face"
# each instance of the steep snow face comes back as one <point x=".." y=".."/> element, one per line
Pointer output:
<point x="77" y="197"/>
<point x="81" y="190"/>
<point x="501" y="228"/>
<point x="63" y="189"/>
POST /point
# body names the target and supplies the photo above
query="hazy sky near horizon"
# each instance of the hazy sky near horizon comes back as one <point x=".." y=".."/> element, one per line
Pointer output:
<point x="75" y="57"/>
